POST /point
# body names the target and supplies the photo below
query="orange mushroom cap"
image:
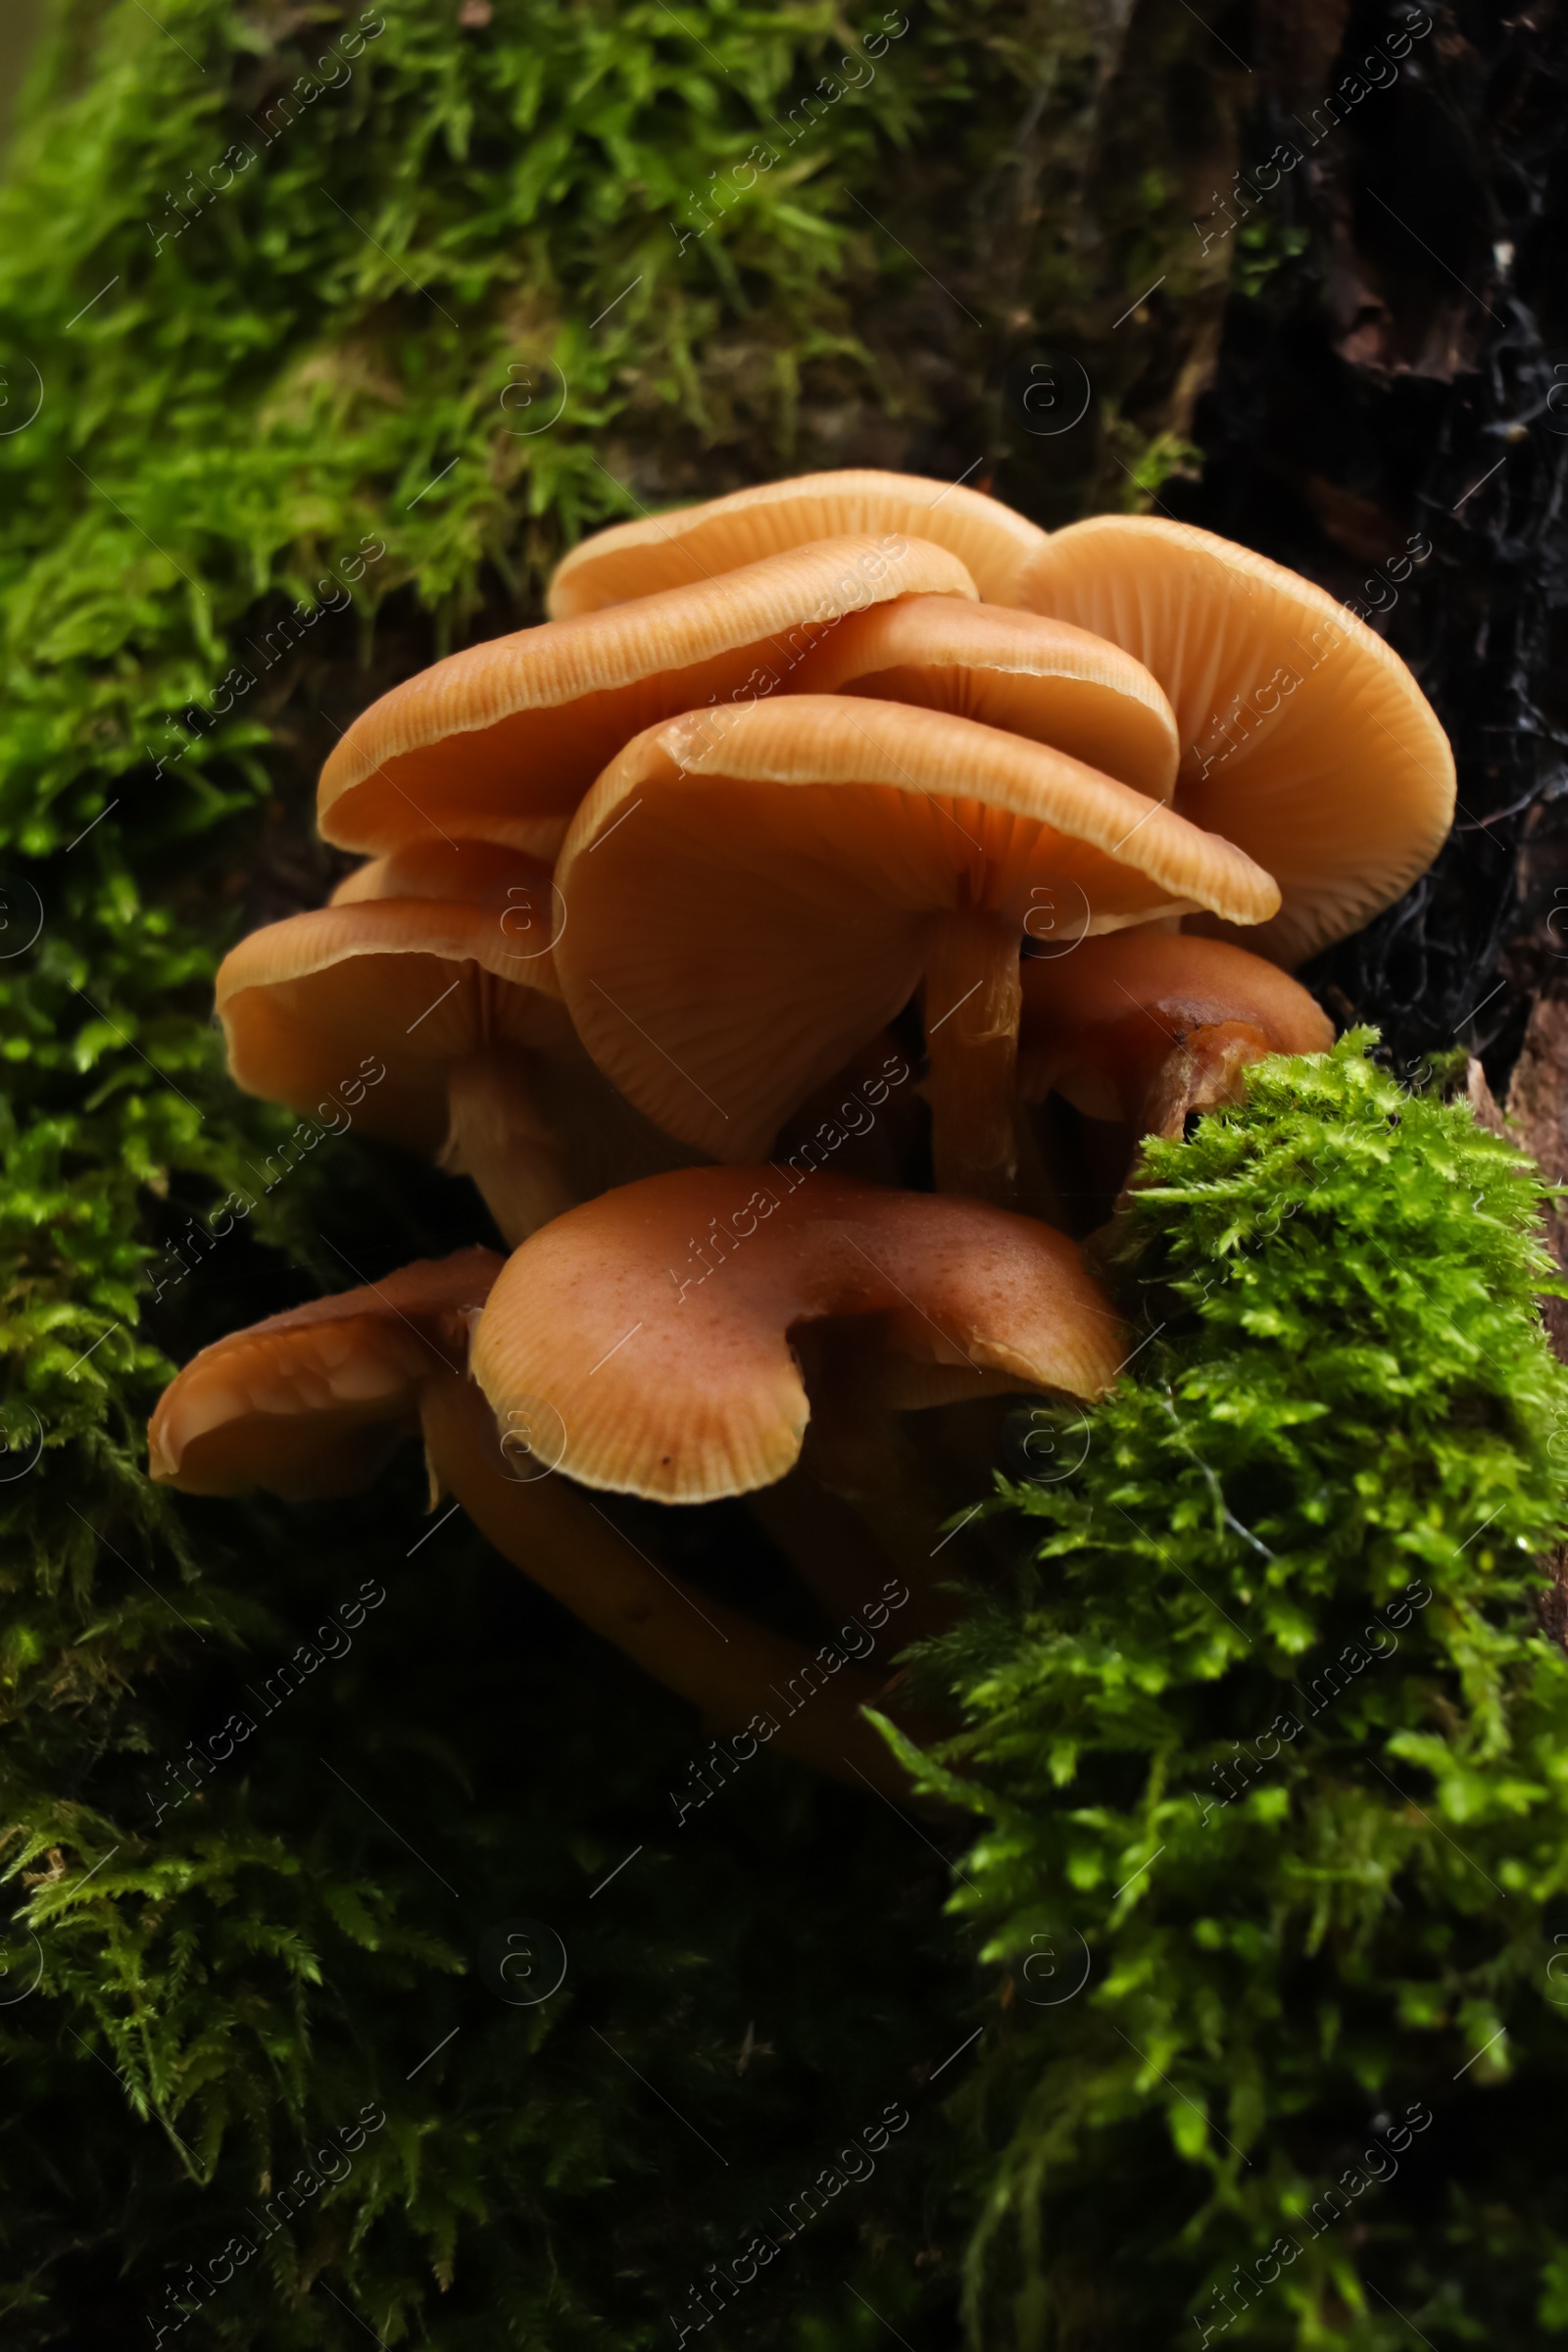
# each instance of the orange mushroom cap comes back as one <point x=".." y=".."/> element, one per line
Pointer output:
<point x="682" y="1386"/>
<point x="753" y="896"/>
<point x="1099" y="1021"/>
<point x="700" y="543"/>
<point x="314" y="1403"/>
<point x="1040" y="678"/>
<point x="438" y="1026"/>
<point x="418" y="985"/>
<point x="514" y="730"/>
<point x="1305" y="738"/>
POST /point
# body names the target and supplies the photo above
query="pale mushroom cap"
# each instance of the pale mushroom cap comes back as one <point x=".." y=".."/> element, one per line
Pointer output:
<point x="312" y="1004"/>
<point x="515" y="730"/>
<point x="1098" y="1020"/>
<point x="314" y="1403"/>
<point x="751" y="894"/>
<point x="684" y="1393"/>
<point x="1040" y="678"/>
<point x="1305" y="738"/>
<point x="698" y="543"/>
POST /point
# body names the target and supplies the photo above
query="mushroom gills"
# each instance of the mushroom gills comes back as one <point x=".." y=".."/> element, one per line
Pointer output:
<point x="1306" y="741"/>
<point x="785" y="882"/>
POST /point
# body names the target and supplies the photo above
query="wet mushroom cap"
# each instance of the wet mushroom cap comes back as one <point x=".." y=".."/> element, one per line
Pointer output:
<point x="1040" y="678"/>
<point x="416" y="984"/>
<point x="1305" y="738"/>
<point x="702" y="542"/>
<point x="514" y="730"/>
<point x="683" y="1386"/>
<point x="751" y="896"/>
<point x="1098" y="1021"/>
<point x="314" y="1403"/>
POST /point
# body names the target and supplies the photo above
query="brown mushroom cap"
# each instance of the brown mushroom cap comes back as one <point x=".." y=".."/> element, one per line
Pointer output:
<point x="753" y="896"/>
<point x="1040" y="678"/>
<point x="1305" y="738"/>
<point x="683" y="1386"/>
<point x="437" y="1026"/>
<point x="417" y="984"/>
<point x="1099" y="1023"/>
<point x="514" y="730"/>
<point x="314" y="1403"/>
<point x="699" y="543"/>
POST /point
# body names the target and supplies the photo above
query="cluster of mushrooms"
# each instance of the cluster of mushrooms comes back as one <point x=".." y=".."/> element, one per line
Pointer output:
<point x="792" y="938"/>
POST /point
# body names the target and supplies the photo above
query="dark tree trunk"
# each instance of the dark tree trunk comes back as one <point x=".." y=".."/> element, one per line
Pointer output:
<point x="1409" y="375"/>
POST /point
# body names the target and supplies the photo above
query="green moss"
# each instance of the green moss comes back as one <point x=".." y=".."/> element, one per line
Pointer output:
<point x="1261" y="248"/>
<point x="1270" y="1747"/>
<point x="286" y="314"/>
<point x="243" y="393"/>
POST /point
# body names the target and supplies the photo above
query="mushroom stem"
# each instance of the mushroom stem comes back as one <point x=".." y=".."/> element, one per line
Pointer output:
<point x="857" y="1447"/>
<point x="973" y="998"/>
<point x="1043" y="1187"/>
<point x="868" y="1463"/>
<point x="832" y="1542"/>
<point x="729" y="1668"/>
<point x="495" y="1134"/>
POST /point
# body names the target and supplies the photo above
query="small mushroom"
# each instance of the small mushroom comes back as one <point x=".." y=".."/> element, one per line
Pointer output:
<point x="754" y="895"/>
<point x="699" y="543"/>
<point x="1305" y="738"/>
<point x="1145" y="1027"/>
<point x="512" y="732"/>
<point x="1040" y="678"/>
<point x="314" y="1403"/>
<point x="458" y="1004"/>
<point x="683" y="1332"/>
